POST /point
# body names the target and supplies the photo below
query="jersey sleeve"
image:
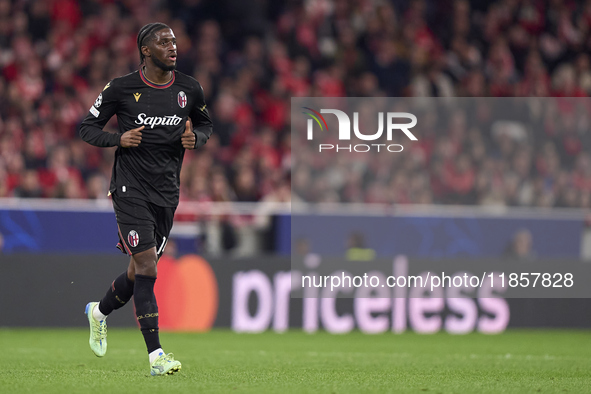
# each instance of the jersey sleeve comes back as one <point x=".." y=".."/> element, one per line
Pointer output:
<point x="202" y="124"/>
<point x="104" y="107"/>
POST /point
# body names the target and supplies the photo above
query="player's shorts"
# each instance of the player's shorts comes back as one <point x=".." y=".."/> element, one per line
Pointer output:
<point x="142" y="225"/>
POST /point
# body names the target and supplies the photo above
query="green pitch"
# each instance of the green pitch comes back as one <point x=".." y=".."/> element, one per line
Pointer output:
<point x="60" y="361"/>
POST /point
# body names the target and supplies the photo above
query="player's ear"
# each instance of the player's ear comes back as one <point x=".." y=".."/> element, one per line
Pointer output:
<point x="146" y="51"/>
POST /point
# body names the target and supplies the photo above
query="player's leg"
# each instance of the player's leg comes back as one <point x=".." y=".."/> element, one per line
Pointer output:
<point x="131" y="215"/>
<point x="160" y="362"/>
<point x="146" y="309"/>
<point x="118" y="295"/>
<point x="136" y="221"/>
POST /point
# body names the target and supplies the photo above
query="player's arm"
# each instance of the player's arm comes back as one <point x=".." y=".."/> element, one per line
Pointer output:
<point x="103" y="109"/>
<point x="202" y="124"/>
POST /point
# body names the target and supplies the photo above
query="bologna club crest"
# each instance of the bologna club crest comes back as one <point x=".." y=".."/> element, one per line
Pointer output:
<point x="133" y="238"/>
<point x="182" y="99"/>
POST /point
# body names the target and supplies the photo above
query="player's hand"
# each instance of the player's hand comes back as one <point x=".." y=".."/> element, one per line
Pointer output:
<point x="131" y="138"/>
<point x="188" y="137"/>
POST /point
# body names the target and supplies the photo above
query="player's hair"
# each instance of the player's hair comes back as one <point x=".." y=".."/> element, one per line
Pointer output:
<point x="146" y="34"/>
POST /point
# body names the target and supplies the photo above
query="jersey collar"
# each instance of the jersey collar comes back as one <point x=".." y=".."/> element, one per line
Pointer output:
<point x="155" y="85"/>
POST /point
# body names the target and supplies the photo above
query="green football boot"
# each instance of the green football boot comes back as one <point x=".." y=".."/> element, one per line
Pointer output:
<point x="165" y="364"/>
<point x="98" y="331"/>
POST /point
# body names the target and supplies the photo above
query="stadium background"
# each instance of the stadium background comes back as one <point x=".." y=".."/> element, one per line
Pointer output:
<point x="251" y="58"/>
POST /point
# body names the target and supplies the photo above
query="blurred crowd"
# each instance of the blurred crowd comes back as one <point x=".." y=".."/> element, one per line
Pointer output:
<point x="511" y="152"/>
<point x="252" y="56"/>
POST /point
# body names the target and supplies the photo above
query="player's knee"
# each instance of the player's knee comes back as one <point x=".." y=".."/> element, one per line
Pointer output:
<point x="146" y="268"/>
<point x="145" y="263"/>
<point x="131" y="269"/>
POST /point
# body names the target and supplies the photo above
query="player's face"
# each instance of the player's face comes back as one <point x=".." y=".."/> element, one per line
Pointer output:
<point x="163" y="50"/>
